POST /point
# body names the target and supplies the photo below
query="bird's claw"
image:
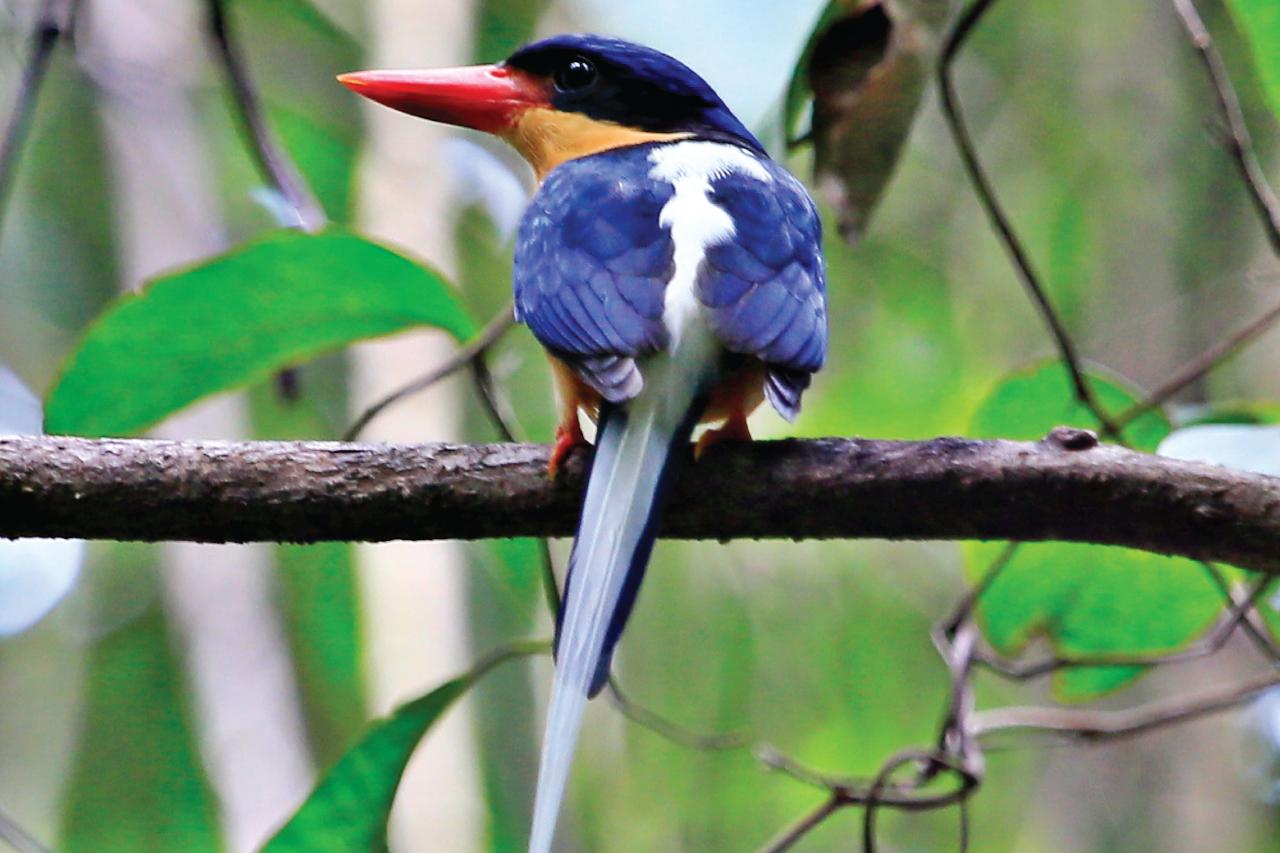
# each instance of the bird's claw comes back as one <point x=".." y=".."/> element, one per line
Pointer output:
<point x="568" y="436"/>
<point x="734" y="429"/>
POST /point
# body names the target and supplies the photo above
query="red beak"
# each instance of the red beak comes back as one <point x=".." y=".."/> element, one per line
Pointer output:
<point x="484" y="97"/>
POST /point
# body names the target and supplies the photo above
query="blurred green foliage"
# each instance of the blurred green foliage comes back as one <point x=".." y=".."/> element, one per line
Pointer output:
<point x="138" y="784"/>
<point x="1260" y="22"/>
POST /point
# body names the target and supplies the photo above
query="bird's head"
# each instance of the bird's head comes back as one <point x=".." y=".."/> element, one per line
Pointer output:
<point x="565" y="97"/>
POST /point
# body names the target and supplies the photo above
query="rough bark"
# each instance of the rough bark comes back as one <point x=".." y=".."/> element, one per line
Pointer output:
<point x="1066" y="487"/>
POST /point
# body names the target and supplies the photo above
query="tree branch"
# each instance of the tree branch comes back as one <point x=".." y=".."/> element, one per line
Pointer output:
<point x="1066" y="487"/>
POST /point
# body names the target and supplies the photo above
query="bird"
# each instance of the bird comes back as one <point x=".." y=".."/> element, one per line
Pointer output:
<point x="673" y="273"/>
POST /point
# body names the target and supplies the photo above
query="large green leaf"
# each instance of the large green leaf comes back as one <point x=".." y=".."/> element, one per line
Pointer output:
<point x="1086" y="600"/>
<point x="1260" y="22"/>
<point x="348" y="810"/>
<point x="237" y="319"/>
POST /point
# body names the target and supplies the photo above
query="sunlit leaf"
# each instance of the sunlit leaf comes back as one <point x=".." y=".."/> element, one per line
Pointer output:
<point x="1259" y="20"/>
<point x="235" y="320"/>
<point x="348" y="810"/>
<point x="1092" y="601"/>
<point x="1086" y="600"/>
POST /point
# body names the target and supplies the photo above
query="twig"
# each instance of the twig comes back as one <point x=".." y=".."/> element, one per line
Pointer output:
<point x="985" y="191"/>
<point x="786" y="839"/>
<point x="953" y="736"/>
<point x="1239" y="143"/>
<point x="1258" y="634"/>
<point x="930" y="761"/>
<point x="272" y="160"/>
<point x="496" y="404"/>
<point x="1197" y="367"/>
<point x="858" y="792"/>
<point x="964" y="607"/>
<point x="503" y="418"/>
<point x="478" y="345"/>
<point x="18" y="838"/>
<point x="1109" y="725"/>
<point x="879" y="792"/>
<point x="53" y="21"/>
<point x="672" y="731"/>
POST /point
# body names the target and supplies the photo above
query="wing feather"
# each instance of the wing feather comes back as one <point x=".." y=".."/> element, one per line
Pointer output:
<point x="592" y="264"/>
<point x="765" y="287"/>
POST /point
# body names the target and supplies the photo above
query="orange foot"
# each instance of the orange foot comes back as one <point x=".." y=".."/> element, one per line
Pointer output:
<point x="568" y="436"/>
<point x="734" y="429"/>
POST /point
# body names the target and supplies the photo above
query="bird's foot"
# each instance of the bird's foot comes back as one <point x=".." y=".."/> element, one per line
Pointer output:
<point x="568" y="436"/>
<point x="734" y="429"/>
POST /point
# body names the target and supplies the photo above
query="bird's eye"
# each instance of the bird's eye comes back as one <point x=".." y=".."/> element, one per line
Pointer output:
<point x="577" y="75"/>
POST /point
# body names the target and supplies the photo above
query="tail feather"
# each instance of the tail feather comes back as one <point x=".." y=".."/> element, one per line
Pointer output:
<point x="669" y="465"/>
<point x="637" y="452"/>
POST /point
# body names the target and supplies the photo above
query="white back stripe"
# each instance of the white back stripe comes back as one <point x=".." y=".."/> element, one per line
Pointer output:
<point x="696" y="222"/>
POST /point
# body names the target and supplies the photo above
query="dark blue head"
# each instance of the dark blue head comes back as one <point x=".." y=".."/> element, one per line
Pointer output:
<point x="631" y="85"/>
<point x="565" y="97"/>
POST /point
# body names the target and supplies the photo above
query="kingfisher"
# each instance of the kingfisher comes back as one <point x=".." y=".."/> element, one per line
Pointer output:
<point x="672" y="271"/>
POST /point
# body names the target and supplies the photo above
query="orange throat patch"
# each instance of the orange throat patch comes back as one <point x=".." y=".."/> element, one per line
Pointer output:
<point x="547" y="137"/>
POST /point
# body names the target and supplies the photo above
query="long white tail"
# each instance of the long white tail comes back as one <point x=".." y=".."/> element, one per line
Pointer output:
<point x="636" y="452"/>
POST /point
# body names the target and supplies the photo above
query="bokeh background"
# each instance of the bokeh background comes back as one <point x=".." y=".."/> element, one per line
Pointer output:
<point x="184" y="697"/>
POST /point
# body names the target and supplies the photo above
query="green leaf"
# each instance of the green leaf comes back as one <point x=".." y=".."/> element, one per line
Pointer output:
<point x="1092" y="601"/>
<point x="1029" y="403"/>
<point x="349" y="809"/>
<point x="1086" y="600"/>
<point x="237" y="319"/>
<point x="1259" y="20"/>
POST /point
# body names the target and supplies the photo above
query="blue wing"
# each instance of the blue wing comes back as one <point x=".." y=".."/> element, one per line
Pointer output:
<point x="592" y="265"/>
<point x="765" y="288"/>
<point x="593" y="261"/>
